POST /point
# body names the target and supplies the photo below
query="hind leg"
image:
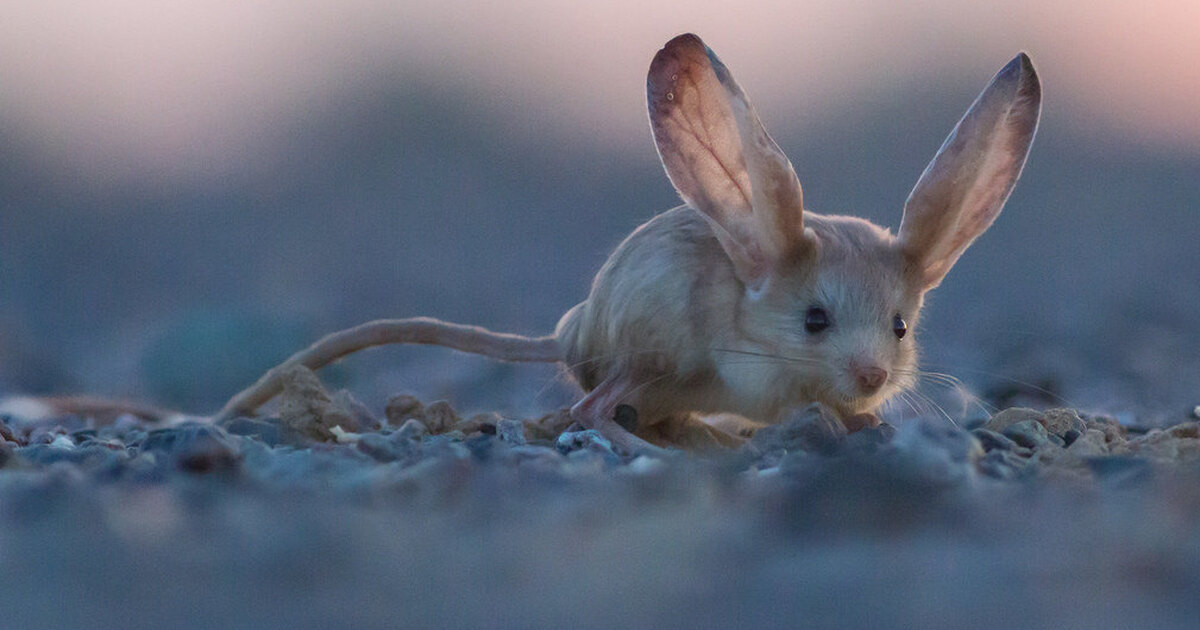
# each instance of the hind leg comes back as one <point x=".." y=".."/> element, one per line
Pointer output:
<point x="598" y="409"/>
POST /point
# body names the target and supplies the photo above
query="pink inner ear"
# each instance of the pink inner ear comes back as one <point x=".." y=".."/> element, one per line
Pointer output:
<point x="694" y="130"/>
<point x="721" y="159"/>
<point x="964" y="188"/>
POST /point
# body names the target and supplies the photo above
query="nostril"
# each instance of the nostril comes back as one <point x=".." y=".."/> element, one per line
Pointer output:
<point x="870" y="378"/>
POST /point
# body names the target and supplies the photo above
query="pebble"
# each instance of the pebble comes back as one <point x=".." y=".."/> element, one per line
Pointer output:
<point x="1028" y="433"/>
<point x="412" y="429"/>
<point x="478" y="423"/>
<point x="1110" y="427"/>
<point x="869" y="440"/>
<point x="813" y="429"/>
<point x="1008" y="417"/>
<point x="360" y="415"/>
<point x="267" y="432"/>
<point x="401" y="407"/>
<point x="378" y="447"/>
<point x="810" y="446"/>
<point x="195" y="447"/>
<point x="1001" y="464"/>
<point x="932" y="445"/>
<point x="990" y="440"/>
<point x="440" y="417"/>
<point x="1090" y="444"/>
<point x="1059" y="421"/>
<point x="589" y="439"/>
<point x="511" y="431"/>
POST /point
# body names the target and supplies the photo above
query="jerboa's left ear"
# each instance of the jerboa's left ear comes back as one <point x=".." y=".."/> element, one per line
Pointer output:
<point x="723" y="162"/>
<point x="964" y="188"/>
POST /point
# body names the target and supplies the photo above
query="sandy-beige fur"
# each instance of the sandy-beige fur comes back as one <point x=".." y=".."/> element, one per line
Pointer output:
<point x="705" y="308"/>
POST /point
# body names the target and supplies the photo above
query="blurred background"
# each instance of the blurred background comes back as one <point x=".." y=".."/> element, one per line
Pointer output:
<point x="190" y="191"/>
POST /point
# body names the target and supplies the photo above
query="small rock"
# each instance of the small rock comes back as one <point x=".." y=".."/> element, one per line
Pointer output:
<point x="266" y="432"/>
<point x="549" y="426"/>
<point x="484" y="423"/>
<point x="936" y="444"/>
<point x="991" y="441"/>
<point x="412" y="429"/>
<point x="1071" y="435"/>
<point x="85" y="435"/>
<point x="401" y="407"/>
<point x="1028" y="433"/>
<point x="1110" y="427"/>
<point x="871" y="439"/>
<point x="1059" y="421"/>
<point x="511" y="431"/>
<point x="812" y="428"/>
<point x="378" y="447"/>
<point x="589" y="439"/>
<point x="343" y="436"/>
<point x="1159" y="444"/>
<point x="6" y="434"/>
<point x="362" y="419"/>
<point x="306" y="407"/>
<point x="62" y="441"/>
<point x="1005" y="419"/>
<point x="542" y="457"/>
<point x="1090" y="444"/>
<point x="195" y="447"/>
<point x="481" y="446"/>
<point x="1001" y="464"/>
<point x="45" y="434"/>
<point x="440" y="417"/>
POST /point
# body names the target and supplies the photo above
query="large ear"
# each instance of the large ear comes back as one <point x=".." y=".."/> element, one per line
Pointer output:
<point x="721" y="160"/>
<point x="964" y="188"/>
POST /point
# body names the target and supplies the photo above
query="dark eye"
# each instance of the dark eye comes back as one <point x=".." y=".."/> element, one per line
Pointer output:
<point x="899" y="327"/>
<point x="815" y="320"/>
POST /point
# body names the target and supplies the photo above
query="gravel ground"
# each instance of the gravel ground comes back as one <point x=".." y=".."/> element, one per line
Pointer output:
<point x="327" y="516"/>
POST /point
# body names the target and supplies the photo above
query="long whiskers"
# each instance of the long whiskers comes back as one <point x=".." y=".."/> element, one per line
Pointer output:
<point x="1040" y="390"/>
<point x="951" y="382"/>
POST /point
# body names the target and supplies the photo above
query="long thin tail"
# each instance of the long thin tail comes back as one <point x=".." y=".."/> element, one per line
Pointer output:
<point x="418" y="330"/>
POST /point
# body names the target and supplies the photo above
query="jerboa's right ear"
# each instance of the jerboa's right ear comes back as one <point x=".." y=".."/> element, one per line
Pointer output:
<point x="964" y="188"/>
<point x="722" y="161"/>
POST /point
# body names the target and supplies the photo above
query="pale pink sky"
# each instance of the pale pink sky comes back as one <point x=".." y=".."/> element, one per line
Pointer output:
<point x="146" y="88"/>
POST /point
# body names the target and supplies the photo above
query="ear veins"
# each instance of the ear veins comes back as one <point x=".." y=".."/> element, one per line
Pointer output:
<point x="965" y="186"/>
<point x="706" y="143"/>
<point x="777" y="198"/>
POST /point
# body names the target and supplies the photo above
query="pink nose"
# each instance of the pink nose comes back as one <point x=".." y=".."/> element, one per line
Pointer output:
<point x="870" y="379"/>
